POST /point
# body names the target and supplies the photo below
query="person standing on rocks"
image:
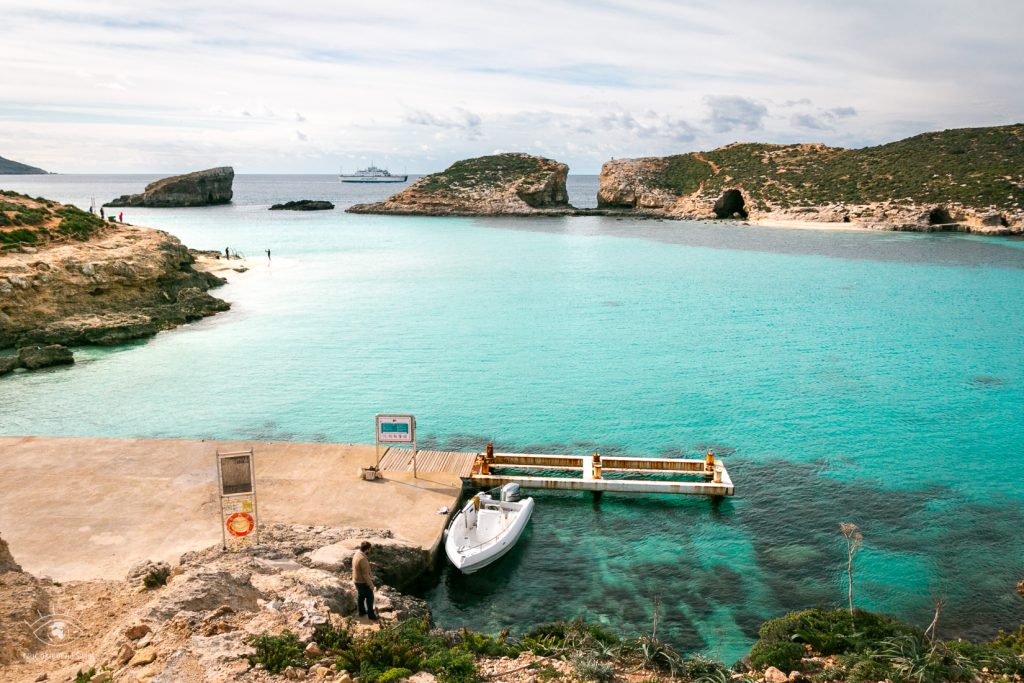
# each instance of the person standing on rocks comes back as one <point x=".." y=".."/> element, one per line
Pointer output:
<point x="120" y="216"/>
<point x="268" y="255"/>
<point x="361" y="577"/>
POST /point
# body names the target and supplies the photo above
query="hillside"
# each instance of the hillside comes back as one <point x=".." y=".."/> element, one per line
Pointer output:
<point x="8" y="167"/>
<point x="499" y="184"/>
<point x="972" y="177"/>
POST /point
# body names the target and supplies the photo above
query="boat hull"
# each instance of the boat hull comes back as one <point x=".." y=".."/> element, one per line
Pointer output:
<point x="389" y="179"/>
<point x="470" y="552"/>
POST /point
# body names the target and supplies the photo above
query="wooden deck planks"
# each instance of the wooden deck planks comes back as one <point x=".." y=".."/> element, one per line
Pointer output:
<point x="400" y="460"/>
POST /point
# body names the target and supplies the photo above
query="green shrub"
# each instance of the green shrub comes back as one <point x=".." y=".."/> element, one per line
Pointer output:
<point x="29" y="216"/>
<point x="1014" y="640"/>
<point x="156" y="578"/>
<point x="590" y="668"/>
<point x="330" y="638"/>
<point x="654" y="654"/>
<point x="392" y="675"/>
<point x="830" y="632"/>
<point x="85" y="676"/>
<point x="18" y="236"/>
<point x="784" y="655"/>
<point x="865" y="667"/>
<point x="395" y="647"/>
<point x="77" y="223"/>
<point x="545" y="673"/>
<point x="488" y="646"/>
<point x="276" y="653"/>
<point x="454" y="665"/>
<point x="703" y="669"/>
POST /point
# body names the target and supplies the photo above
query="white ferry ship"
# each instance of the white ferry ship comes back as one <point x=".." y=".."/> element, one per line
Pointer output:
<point x="373" y="175"/>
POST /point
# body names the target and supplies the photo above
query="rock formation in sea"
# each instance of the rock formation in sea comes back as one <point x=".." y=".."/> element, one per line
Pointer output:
<point x="303" y="205"/>
<point x="202" y="188"/>
<point x="510" y="184"/>
<point x="67" y="277"/>
<point x="11" y="167"/>
<point x="966" y="180"/>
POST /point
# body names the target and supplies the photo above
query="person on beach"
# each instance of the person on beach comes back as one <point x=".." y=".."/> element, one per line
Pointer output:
<point x="268" y="255"/>
<point x="361" y="577"/>
<point x="120" y="216"/>
<point x="227" y="253"/>
<point x="101" y="214"/>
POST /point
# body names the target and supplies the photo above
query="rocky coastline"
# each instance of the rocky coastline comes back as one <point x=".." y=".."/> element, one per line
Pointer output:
<point x="105" y="283"/>
<point x="511" y="184"/>
<point x="966" y="180"/>
<point x="285" y="610"/>
<point x="202" y="188"/>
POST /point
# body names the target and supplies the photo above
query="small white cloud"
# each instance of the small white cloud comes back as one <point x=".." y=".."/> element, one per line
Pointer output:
<point x="729" y="112"/>
<point x="301" y="136"/>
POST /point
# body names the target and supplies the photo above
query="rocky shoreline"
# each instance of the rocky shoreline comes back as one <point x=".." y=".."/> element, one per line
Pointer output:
<point x="966" y="180"/>
<point x="285" y="610"/>
<point x="113" y="284"/>
<point x="202" y="188"/>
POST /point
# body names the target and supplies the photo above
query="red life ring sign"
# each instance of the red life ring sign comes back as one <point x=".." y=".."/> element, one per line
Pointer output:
<point x="240" y="524"/>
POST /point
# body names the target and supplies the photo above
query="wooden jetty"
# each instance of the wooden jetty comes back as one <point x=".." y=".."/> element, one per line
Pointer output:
<point x="706" y="477"/>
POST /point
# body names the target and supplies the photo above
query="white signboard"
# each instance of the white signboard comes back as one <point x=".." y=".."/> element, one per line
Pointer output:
<point x="396" y="429"/>
<point x="239" y="523"/>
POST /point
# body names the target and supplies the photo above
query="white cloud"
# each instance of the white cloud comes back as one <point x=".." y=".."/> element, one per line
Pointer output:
<point x="190" y="80"/>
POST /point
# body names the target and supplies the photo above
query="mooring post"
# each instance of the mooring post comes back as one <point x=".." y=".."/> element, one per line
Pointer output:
<point x="597" y="465"/>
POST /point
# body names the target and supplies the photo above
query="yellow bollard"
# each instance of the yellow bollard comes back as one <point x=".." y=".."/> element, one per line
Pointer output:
<point x="597" y="465"/>
<point x="709" y="460"/>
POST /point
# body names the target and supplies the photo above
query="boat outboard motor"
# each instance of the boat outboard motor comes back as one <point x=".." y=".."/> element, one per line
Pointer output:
<point x="510" y="493"/>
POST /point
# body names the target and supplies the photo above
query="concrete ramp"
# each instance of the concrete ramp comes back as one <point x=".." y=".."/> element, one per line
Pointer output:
<point x="86" y="508"/>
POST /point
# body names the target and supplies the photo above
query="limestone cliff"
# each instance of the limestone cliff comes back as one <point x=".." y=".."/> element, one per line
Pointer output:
<point x="93" y="282"/>
<point x="202" y="188"/>
<point x="968" y="180"/>
<point x="510" y="184"/>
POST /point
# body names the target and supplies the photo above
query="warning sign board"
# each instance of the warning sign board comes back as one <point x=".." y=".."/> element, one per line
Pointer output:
<point x="239" y="522"/>
<point x="396" y="429"/>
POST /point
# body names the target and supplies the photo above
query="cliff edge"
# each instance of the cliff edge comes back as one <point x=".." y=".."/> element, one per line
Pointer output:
<point x="68" y="277"/>
<point x="968" y="180"/>
<point x="202" y="188"/>
<point x="510" y="184"/>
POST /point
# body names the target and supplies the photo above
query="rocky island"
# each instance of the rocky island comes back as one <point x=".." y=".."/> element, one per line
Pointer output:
<point x="202" y="188"/>
<point x="303" y="205"/>
<point x="68" y="277"/>
<point x="510" y="184"/>
<point x="968" y="180"/>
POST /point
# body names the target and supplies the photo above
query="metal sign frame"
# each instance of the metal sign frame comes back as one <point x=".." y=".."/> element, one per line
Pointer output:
<point x="382" y="419"/>
<point x="237" y="497"/>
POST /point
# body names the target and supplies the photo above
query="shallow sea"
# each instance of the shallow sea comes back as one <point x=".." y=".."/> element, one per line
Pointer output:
<point x="876" y="378"/>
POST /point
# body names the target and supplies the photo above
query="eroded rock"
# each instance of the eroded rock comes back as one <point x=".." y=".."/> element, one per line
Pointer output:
<point x="201" y="188"/>
<point x="36" y="357"/>
<point x="303" y="205"/>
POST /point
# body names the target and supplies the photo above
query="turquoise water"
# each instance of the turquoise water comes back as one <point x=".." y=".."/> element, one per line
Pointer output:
<point x="867" y="377"/>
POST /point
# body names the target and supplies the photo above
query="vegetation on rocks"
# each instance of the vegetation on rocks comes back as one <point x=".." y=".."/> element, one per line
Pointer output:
<point x="977" y="167"/>
<point x="24" y="220"/>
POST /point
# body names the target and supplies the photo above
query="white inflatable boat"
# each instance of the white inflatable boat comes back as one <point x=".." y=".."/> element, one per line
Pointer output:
<point x="486" y="528"/>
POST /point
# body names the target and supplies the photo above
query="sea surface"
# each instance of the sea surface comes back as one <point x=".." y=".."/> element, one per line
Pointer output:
<point x="866" y="377"/>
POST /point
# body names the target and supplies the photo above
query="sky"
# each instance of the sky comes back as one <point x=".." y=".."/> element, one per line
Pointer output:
<point x="105" y="86"/>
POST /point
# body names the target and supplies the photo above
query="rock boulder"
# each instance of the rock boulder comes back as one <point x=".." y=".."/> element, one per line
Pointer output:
<point x="7" y="563"/>
<point x="9" y="364"/>
<point x="35" y="357"/>
<point x="202" y="188"/>
<point x="303" y="205"/>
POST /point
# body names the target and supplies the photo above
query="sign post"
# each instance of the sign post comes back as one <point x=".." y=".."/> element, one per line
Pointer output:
<point x="397" y="429"/>
<point x="236" y="473"/>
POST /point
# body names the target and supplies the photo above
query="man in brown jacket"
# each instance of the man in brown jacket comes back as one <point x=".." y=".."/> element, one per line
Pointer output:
<point x="364" y="584"/>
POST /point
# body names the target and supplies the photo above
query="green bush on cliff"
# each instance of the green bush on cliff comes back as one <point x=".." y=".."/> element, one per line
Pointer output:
<point x="18" y="236"/>
<point x="784" y="655"/>
<point x="276" y="653"/>
<point x="77" y="223"/>
<point x="482" y="172"/>
<point x="831" y="632"/>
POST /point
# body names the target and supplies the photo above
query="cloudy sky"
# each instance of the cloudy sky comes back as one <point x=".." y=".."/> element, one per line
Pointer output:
<point x="278" y="86"/>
